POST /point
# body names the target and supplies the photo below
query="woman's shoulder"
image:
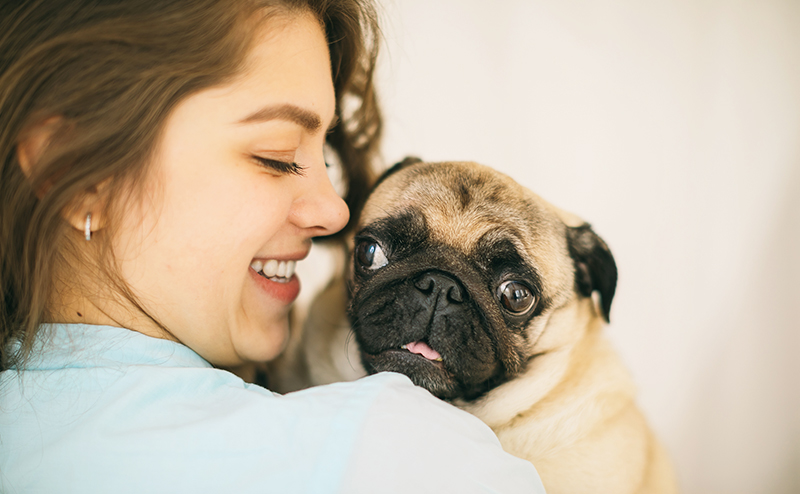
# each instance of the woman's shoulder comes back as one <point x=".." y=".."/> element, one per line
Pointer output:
<point x="119" y="411"/>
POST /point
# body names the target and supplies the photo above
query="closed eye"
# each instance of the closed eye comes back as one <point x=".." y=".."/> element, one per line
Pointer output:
<point x="282" y="167"/>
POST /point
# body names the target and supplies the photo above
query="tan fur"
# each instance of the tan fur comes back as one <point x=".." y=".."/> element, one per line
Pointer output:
<point x="575" y="406"/>
<point x="572" y="412"/>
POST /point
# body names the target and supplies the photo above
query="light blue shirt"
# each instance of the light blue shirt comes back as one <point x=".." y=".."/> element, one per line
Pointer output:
<point x="99" y="409"/>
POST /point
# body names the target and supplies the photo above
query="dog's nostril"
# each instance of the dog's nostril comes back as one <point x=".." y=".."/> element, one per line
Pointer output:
<point x="455" y="294"/>
<point x="425" y="284"/>
<point x="433" y="282"/>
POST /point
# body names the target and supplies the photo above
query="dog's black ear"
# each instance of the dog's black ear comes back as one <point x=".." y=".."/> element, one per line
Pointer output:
<point x="595" y="269"/>
<point x="407" y="161"/>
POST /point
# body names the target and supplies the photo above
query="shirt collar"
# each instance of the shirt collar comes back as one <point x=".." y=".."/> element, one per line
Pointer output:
<point x="59" y="346"/>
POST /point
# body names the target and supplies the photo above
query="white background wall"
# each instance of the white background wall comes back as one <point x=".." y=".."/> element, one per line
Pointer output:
<point x="673" y="126"/>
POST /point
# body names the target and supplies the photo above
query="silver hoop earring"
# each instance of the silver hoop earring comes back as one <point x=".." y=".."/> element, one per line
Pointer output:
<point x="87" y="229"/>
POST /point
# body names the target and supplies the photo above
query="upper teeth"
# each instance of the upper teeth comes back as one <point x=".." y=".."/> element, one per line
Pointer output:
<point x="274" y="268"/>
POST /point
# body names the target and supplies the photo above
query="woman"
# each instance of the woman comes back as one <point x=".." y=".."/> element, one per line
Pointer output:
<point x="162" y="173"/>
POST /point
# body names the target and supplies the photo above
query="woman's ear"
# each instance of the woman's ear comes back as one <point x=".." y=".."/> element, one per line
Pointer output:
<point x="31" y="146"/>
<point x="87" y="213"/>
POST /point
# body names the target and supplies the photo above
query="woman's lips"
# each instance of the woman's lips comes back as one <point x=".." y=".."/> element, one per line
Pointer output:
<point x="285" y="292"/>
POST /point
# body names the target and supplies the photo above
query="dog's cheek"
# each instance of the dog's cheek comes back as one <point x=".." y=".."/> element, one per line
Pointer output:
<point x="515" y="356"/>
<point x="380" y="321"/>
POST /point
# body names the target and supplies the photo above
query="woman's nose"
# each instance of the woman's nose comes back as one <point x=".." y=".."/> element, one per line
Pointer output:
<point x="319" y="209"/>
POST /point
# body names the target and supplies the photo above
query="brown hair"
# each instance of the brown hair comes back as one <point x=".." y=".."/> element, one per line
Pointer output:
<point x="112" y="71"/>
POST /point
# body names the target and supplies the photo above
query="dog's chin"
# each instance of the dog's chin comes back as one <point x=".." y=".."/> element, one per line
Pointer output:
<point x="429" y="374"/>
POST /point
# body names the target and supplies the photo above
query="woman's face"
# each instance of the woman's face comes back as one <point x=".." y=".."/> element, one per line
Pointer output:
<point x="223" y="199"/>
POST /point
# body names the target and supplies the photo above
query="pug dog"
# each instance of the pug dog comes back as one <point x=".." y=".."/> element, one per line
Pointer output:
<point x="490" y="298"/>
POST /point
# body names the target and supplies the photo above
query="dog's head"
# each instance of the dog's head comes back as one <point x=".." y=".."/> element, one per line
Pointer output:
<point x="457" y="270"/>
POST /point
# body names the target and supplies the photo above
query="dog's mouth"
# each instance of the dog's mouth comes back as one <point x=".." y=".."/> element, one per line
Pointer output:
<point x="420" y="362"/>
<point x="415" y="351"/>
<point x="422" y="348"/>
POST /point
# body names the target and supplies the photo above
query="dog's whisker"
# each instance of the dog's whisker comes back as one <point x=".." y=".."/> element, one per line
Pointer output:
<point x="350" y="335"/>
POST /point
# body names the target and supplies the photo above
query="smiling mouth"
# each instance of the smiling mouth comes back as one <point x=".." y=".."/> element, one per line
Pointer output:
<point x="274" y="270"/>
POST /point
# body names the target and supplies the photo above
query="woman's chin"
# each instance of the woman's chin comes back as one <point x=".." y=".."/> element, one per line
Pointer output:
<point x="263" y="329"/>
<point x="263" y="344"/>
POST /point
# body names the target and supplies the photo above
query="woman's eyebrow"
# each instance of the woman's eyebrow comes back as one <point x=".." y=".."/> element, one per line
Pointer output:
<point x="305" y="118"/>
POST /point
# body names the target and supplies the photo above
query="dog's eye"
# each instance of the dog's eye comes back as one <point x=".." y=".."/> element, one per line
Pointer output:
<point x="370" y="255"/>
<point x="515" y="297"/>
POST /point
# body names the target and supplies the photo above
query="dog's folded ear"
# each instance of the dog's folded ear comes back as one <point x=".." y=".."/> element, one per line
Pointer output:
<point x="407" y="161"/>
<point x="595" y="269"/>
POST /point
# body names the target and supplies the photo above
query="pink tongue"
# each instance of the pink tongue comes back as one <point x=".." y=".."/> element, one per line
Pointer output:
<point x="423" y="349"/>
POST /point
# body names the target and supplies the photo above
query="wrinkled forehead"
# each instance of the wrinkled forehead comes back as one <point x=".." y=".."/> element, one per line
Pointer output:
<point x="469" y="207"/>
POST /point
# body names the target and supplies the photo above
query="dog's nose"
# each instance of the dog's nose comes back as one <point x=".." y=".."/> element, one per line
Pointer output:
<point x="433" y="283"/>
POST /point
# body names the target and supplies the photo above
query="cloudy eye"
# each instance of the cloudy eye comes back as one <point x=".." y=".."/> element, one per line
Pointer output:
<point x="370" y="255"/>
<point x="516" y="297"/>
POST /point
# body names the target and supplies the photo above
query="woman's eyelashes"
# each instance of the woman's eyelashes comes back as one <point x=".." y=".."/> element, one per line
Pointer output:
<point x="282" y="167"/>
